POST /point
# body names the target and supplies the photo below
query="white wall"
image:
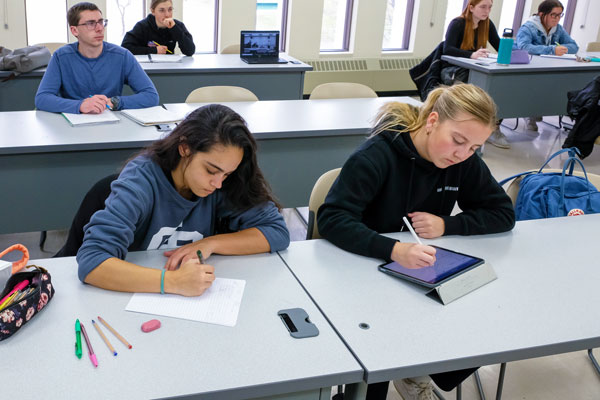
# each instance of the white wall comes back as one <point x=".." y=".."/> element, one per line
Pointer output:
<point x="304" y="26"/>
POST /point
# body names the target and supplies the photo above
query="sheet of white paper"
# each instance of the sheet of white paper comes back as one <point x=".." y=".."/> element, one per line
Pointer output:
<point x="564" y="56"/>
<point x="219" y="305"/>
<point x="152" y="115"/>
<point x="159" y="58"/>
<point x="91" y="119"/>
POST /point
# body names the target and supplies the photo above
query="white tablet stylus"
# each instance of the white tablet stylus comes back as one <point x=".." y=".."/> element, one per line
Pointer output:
<point x="410" y="228"/>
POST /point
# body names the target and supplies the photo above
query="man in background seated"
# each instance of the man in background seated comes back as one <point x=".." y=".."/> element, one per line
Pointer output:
<point x="88" y="76"/>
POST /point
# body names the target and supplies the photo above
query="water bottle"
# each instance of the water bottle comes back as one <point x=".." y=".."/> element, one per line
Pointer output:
<point x="505" y="49"/>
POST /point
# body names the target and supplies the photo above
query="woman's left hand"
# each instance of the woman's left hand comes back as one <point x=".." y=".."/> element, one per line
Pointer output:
<point x="427" y="225"/>
<point x="168" y="22"/>
<point x="184" y="253"/>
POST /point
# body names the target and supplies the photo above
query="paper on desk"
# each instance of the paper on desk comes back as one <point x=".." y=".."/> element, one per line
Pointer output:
<point x="564" y="56"/>
<point x="159" y="58"/>
<point x="104" y="117"/>
<point x="219" y="305"/>
<point x="5" y="273"/>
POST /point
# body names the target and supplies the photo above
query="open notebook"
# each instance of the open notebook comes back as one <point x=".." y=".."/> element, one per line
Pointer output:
<point x="105" y="117"/>
<point x="152" y="116"/>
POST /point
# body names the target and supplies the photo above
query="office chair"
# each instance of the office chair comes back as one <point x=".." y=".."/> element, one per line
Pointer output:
<point x="209" y="94"/>
<point x="593" y="46"/>
<point x="52" y="46"/>
<point x="342" y="90"/>
<point x="231" y="49"/>
<point x="92" y="202"/>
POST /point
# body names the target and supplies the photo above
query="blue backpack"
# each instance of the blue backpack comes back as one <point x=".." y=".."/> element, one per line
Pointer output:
<point x="555" y="194"/>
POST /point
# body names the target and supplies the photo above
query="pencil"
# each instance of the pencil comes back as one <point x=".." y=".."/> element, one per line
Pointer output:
<point x="110" y="328"/>
<point x="161" y="45"/>
<point x="104" y="337"/>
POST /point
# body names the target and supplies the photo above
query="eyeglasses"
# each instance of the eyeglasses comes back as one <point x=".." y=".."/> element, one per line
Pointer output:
<point x="91" y="25"/>
<point x="554" y="15"/>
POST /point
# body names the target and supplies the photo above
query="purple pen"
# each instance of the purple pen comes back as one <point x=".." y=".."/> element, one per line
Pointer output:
<point x="89" y="346"/>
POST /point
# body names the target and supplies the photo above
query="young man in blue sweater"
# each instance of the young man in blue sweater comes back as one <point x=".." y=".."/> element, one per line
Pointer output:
<point x="88" y="76"/>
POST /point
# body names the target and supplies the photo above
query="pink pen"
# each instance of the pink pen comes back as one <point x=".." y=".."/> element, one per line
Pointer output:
<point x="18" y="286"/>
<point x="89" y="346"/>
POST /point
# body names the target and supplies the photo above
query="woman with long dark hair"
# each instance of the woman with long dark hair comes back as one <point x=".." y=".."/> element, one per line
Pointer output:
<point x="200" y="188"/>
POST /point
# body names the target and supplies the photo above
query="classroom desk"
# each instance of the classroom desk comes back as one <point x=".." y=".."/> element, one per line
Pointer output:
<point x="547" y="278"/>
<point x="174" y="81"/>
<point x="537" y="88"/>
<point x="185" y="359"/>
<point x="46" y="167"/>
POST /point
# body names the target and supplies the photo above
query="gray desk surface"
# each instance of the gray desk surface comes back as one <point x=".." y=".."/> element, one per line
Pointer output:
<point x="255" y="358"/>
<point x="538" y="64"/>
<point x="539" y="305"/>
<point x="202" y="63"/>
<point x="45" y="158"/>
<point x="536" y="89"/>
<point x="174" y="81"/>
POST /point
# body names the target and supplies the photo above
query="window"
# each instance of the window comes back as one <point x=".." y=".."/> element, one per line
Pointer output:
<point x="271" y="15"/>
<point x="455" y="8"/>
<point x="122" y="15"/>
<point x="335" y="32"/>
<point x="46" y="21"/>
<point x="397" y="25"/>
<point x="511" y="16"/>
<point x="200" y="18"/>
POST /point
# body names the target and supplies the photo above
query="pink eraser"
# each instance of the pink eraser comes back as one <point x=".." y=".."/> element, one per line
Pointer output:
<point x="151" y="325"/>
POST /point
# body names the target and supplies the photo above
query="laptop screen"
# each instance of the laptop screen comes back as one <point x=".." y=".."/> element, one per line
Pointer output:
<point x="259" y="44"/>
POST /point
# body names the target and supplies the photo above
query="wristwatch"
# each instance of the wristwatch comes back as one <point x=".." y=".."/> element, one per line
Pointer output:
<point x="116" y="102"/>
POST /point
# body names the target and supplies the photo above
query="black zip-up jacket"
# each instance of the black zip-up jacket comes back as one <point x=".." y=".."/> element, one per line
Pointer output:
<point x="136" y="40"/>
<point x="584" y="108"/>
<point x="385" y="179"/>
<point x="454" y="38"/>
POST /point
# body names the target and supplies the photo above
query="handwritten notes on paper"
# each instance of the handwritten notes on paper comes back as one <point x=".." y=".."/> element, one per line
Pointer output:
<point x="220" y="304"/>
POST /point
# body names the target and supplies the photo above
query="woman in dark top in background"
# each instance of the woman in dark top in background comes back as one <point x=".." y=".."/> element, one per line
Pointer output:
<point x="159" y="32"/>
<point x="467" y="36"/>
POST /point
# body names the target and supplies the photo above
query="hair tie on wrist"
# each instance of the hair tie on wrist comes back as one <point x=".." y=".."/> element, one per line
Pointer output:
<point x="162" y="282"/>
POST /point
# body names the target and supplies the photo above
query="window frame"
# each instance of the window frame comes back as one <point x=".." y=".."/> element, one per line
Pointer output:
<point x="518" y="19"/>
<point x="569" y="16"/>
<point x="284" y="24"/>
<point x="410" y="9"/>
<point x="347" y="30"/>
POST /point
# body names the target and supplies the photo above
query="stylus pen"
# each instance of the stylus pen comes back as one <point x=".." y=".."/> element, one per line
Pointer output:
<point x="410" y="228"/>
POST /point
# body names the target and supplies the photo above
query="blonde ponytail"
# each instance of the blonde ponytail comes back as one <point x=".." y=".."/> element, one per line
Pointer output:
<point x="447" y="101"/>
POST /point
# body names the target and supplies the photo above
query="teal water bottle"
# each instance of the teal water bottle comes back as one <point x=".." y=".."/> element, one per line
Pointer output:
<point x="505" y="49"/>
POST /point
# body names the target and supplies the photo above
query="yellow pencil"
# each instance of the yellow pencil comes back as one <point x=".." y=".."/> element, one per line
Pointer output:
<point x="9" y="300"/>
<point x="161" y="45"/>
<point x="110" y="328"/>
<point x="104" y="337"/>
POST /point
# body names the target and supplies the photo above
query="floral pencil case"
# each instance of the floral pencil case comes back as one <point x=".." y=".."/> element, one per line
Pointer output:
<point x="26" y="293"/>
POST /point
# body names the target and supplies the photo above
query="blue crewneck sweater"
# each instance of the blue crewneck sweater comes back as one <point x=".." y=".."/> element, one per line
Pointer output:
<point x="71" y="78"/>
<point x="145" y="212"/>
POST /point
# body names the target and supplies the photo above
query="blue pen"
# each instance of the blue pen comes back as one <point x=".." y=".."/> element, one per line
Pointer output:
<point x="105" y="104"/>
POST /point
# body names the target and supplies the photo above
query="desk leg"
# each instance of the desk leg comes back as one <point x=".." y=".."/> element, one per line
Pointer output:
<point x="355" y="391"/>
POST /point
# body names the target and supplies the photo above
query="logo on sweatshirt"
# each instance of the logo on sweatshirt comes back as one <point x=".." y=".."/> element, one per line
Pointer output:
<point x="172" y="237"/>
<point x="448" y="189"/>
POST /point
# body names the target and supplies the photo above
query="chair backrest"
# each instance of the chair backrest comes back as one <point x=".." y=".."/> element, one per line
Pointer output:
<point x="209" y="94"/>
<point x="513" y="188"/>
<point x="52" y="46"/>
<point x="317" y="197"/>
<point x="231" y="49"/>
<point x="593" y="46"/>
<point x="342" y="90"/>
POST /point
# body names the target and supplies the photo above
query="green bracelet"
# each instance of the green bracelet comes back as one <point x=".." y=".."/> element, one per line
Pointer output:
<point x="162" y="282"/>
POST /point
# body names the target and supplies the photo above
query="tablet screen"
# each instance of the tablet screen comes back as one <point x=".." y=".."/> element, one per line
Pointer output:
<point x="447" y="263"/>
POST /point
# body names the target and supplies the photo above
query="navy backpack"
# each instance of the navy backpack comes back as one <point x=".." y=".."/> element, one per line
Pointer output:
<point x="555" y="194"/>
